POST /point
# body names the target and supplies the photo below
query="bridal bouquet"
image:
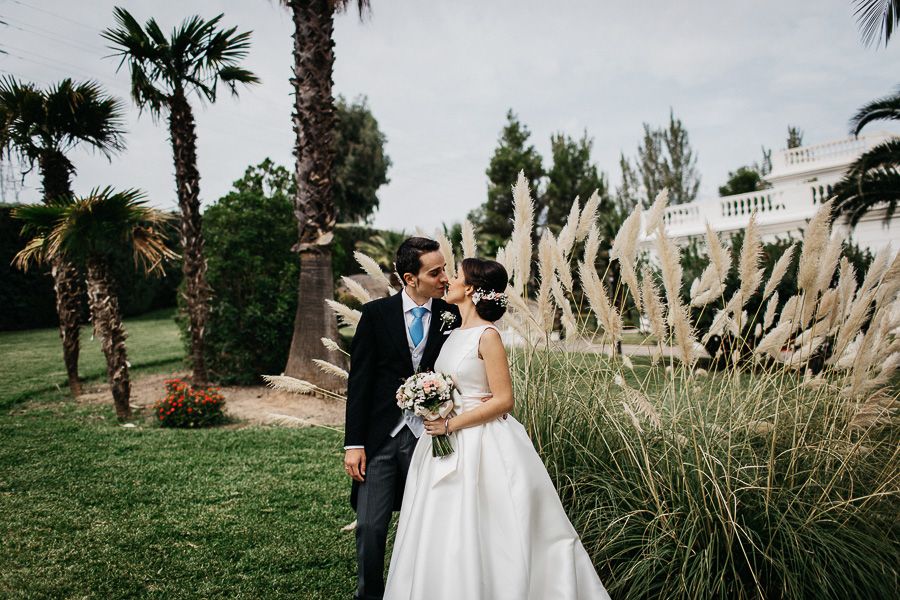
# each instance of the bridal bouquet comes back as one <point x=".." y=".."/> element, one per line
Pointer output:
<point x="429" y="395"/>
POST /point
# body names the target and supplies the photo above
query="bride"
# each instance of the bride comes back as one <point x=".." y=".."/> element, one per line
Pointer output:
<point x="484" y="522"/>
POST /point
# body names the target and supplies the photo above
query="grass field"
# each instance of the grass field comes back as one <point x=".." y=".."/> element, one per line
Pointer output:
<point x="31" y="362"/>
<point x="89" y="509"/>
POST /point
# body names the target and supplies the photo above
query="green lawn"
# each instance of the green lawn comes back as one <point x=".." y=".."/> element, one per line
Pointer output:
<point x="31" y="362"/>
<point x="89" y="509"/>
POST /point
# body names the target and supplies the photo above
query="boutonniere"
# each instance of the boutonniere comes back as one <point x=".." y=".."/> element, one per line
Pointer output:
<point x="447" y="319"/>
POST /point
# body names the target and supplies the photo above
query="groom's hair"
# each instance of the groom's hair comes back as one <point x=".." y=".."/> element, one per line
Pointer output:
<point x="409" y="255"/>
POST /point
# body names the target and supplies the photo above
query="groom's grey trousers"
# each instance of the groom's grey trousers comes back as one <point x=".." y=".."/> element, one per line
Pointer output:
<point x="385" y="477"/>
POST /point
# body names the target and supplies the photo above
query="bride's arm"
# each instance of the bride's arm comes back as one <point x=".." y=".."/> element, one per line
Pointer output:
<point x="497" y="367"/>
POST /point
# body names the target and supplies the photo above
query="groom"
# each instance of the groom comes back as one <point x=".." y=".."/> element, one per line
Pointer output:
<point x="396" y="337"/>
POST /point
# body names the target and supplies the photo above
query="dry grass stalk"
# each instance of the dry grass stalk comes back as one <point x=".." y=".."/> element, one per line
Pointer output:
<point x="670" y="266"/>
<point x="775" y="340"/>
<point x="523" y="223"/>
<point x="846" y="287"/>
<point x="641" y="405"/>
<point x="289" y="384"/>
<point x="819" y="329"/>
<point x="546" y="264"/>
<point x="503" y="259"/>
<point x="711" y="284"/>
<point x="561" y="264"/>
<point x="877" y="268"/>
<point x="814" y="241"/>
<point x="356" y="290"/>
<point x="779" y="271"/>
<point x="791" y="310"/>
<point x="331" y="369"/>
<point x="769" y="316"/>
<point x="890" y="283"/>
<point x="877" y="411"/>
<point x="749" y="272"/>
<point x="679" y="320"/>
<point x="347" y="315"/>
<point x="624" y="249"/>
<point x="588" y="217"/>
<point x="654" y="216"/>
<point x="468" y="239"/>
<point x="331" y="345"/>
<point x="374" y="271"/>
<point x="447" y="252"/>
<point x="856" y="317"/>
<point x="598" y="299"/>
<point x="635" y="422"/>
<point x="760" y="428"/>
<point x="653" y="306"/>
<point x="801" y="356"/>
<point x="829" y="263"/>
<point x="592" y="245"/>
<point x="570" y="324"/>
<point x="567" y="234"/>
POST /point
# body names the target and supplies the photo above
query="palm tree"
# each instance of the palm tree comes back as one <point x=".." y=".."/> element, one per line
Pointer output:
<point x="874" y="177"/>
<point x="41" y="126"/>
<point x="194" y="58"/>
<point x="877" y="19"/>
<point x="314" y="125"/>
<point x="88" y="232"/>
<point x="382" y="248"/>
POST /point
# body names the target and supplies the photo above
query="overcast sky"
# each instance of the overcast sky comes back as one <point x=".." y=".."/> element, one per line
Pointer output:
<point x="440" y="76"/>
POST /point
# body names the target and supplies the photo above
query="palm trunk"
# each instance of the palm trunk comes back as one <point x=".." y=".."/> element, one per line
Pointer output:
<point x="313" y="200"/>
<point x="108" y="327"/>
<point x="67" y="283"/>
<point x="187" y="178"/>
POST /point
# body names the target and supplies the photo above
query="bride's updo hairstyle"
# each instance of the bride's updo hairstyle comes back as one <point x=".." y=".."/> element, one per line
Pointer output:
<point x="486" y="276"/>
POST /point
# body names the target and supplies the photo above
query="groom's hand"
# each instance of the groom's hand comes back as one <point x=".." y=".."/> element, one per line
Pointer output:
<point x="488" y="397"/>
<point x="355" y="463"/>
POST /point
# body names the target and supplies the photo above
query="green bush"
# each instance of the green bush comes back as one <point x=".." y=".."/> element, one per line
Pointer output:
<point x="254" y="274"/>
<point x="186" y="406"/>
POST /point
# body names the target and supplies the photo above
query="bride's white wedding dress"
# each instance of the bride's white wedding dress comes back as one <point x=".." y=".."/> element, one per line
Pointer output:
<point x="484" y="523"/>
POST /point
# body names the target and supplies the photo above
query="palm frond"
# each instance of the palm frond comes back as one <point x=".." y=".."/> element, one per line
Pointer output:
<point x="106" y="222"/>
<point x="877" y="19"/>
<point x="34" y="121"/>
<point x="886" y="108"/>
<point x="196" y="56"/>
<point x="854" y="196"/>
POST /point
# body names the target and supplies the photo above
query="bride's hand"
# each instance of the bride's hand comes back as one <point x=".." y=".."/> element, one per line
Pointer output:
<point x="436" y="427"/>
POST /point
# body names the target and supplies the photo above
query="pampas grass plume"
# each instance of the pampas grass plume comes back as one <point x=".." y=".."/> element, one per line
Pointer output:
<point x="372" y="269"/>
<point x="468" y="239"/>
<point x="356" y="290"/>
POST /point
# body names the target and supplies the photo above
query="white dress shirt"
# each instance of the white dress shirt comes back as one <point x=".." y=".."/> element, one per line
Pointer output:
<point x="408" y="418"/>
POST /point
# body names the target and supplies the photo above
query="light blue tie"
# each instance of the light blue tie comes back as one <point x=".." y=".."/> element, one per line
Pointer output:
<point x="416" y="328"/>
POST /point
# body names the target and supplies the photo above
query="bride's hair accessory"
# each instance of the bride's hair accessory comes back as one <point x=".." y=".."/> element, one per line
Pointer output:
<point x="481" y="294"/>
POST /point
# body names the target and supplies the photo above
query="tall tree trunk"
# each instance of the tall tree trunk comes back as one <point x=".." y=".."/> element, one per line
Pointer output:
<point x="313" y="201"/>
<point x="108" y="327"/>
<point x="67" y="282"/>
<point x="187" y="178"/>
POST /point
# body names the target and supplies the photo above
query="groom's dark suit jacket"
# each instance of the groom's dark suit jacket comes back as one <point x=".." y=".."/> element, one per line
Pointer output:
<point x="380" y="362"/>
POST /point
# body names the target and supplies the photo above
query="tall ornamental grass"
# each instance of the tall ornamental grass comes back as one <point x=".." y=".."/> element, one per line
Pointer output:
<point x="777" y="477"/>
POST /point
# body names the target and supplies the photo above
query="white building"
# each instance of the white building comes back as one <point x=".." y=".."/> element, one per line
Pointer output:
<point x="801" y="179"/>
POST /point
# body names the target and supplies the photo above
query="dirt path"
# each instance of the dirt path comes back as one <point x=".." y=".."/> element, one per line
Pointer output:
<point x="251" y="405"/>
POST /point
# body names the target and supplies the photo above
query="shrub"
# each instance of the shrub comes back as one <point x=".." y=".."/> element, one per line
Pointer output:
<point x="253" y="275"/>
<point x="187" y="406"/>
